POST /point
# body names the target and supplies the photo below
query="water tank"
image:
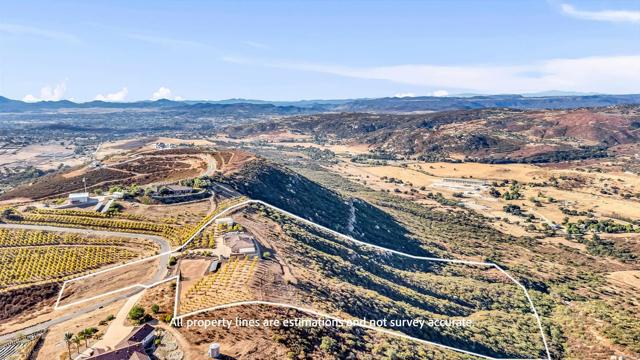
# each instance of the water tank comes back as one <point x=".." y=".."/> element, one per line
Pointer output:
<point x="214" y="350"/>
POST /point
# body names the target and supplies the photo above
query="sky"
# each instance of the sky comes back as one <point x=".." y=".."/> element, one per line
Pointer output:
<point x="293" y="50"/>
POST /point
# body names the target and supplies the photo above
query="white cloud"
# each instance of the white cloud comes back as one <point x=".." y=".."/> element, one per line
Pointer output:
<point x="14" y="29"/>
<point x="438" y="93"/>
<point x="606" y="74"/>
<point x="632" y="16"/>
<point x="48" y="93"/>
<point x="116" y="96"/>
<point x="164" y="93"/>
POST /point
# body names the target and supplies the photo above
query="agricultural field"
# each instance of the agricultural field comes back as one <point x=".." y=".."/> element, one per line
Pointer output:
<point x="205" y="239"/>
<point x="25" y="266"/>
<point x="227" y="285"/>
<point x="176" y="234"/>
<point x="40" y="256"/>
<point x="26" y="238"/>
<point x="173" y="228"/>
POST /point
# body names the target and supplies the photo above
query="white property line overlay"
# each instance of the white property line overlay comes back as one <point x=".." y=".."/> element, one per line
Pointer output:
<point x="339" y="320"/>
<point x="57" y="307"/>
<point x="335" y="233"/>
<point x="64" y="284"/>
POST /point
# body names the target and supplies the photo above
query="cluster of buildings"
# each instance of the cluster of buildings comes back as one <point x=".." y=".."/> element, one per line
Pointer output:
<point x="84" y="200"/>
<point x="162" y="146"/>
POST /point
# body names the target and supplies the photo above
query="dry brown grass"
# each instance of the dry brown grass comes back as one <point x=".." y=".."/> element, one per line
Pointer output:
<point x="139" y="273"/>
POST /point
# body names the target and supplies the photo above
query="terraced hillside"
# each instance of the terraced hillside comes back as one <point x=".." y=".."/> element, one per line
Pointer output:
<point x="142" y="169"/>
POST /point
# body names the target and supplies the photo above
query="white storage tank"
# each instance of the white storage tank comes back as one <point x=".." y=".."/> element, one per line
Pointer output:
<point x="214" y="350"/>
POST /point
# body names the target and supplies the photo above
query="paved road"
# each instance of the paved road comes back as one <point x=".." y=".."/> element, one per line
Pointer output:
<point x="165" y="247"/>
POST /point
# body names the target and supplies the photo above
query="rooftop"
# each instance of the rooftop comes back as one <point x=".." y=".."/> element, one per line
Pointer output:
<point x="135" y="351"/>
<point x="137" y="335"/>
<point x="178" y="188"/>
<point x="238" y="240"/>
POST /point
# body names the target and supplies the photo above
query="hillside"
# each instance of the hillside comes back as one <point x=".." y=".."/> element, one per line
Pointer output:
<point x="488" y="135"/>
<point x="262" y="180"/>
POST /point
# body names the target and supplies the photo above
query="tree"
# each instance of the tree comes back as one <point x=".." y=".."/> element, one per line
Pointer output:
<point x="155" y="308"/>
<point x="172" y="261"/>
<point x="76" y="340"/>
<point x="136" y="313"/>
<point x="68" y="339"/>
<point x="88" y="334"/>
<point x="82" y="336"/>
<point x="327" y="344"/>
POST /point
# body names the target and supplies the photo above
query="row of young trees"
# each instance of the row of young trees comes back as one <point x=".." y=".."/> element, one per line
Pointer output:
<point x="27" y="265"/>
<point x="172" y="232"/>
<point x="82" y="336"/>
<point x="89" y="213"/>
<point x="20" y="237"/>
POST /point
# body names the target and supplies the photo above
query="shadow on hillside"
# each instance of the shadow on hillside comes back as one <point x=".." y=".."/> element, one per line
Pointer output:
<point x="295" y="193"/>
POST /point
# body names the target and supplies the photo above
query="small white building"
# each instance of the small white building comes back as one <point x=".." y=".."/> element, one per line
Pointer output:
<point x="117" y="195"/>
<point x="79" y="198"/>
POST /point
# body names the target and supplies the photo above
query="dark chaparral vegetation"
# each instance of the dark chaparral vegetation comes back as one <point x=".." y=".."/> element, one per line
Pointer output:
<point x="460" y="232"/>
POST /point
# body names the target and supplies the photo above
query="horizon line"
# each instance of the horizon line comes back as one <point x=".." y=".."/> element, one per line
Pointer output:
<point x="542" y="94"/>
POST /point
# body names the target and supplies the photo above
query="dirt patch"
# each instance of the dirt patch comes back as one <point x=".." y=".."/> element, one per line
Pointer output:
<point x="181" y="214"/>
<point x="628" y="278"/>
<point x="162" y="295"/>
<point x="250" y="343"/>
<point x="139" y="273"/>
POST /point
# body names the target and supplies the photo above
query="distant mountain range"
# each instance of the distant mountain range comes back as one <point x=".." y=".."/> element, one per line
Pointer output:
<point x="389" y="104"/>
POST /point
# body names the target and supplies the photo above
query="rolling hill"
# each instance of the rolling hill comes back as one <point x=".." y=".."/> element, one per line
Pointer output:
<point x="485" y="135"/>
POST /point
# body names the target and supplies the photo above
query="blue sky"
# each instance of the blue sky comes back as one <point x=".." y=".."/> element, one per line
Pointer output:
<point x="288" y="50"/>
